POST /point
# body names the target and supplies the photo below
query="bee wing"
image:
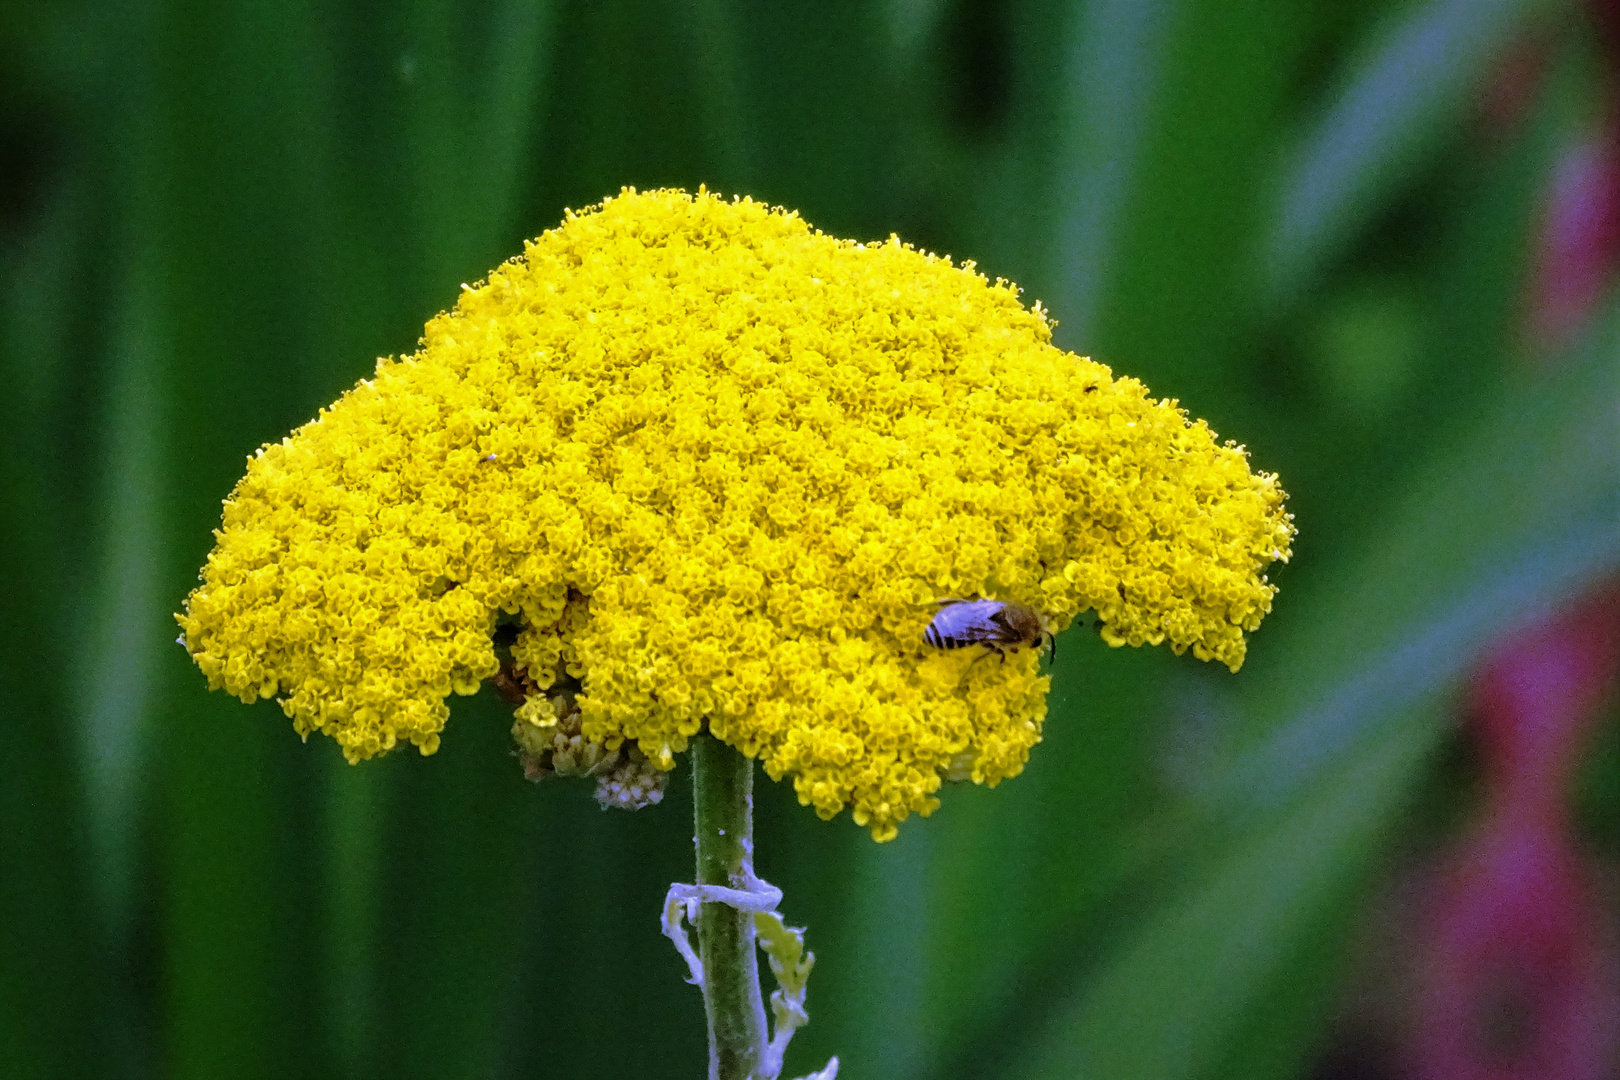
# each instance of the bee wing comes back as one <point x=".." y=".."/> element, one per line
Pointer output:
<point x="970" y="621"/>
<point x="984" y="631"/>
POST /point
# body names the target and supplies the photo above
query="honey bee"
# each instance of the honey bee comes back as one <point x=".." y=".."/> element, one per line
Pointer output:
<point x="996" y="624"/>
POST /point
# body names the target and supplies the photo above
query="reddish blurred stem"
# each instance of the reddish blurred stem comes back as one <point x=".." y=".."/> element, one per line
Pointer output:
<point x="1534" y="698"/>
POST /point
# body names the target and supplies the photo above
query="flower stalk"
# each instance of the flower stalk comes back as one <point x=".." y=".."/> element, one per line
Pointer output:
<point x="689" y="458"/>
<point x="723" y="798"/>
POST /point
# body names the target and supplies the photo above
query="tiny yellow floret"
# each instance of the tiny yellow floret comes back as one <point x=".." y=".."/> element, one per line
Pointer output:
<point x="719" y="467"/>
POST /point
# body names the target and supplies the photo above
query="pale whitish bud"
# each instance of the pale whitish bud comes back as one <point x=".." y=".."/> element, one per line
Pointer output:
<point x="960" y="768"/>
<point x="549" y="741"/>
<point x="631" y="784"/>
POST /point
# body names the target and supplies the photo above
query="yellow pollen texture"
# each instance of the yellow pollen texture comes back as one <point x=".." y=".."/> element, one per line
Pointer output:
<point x="718" y="467"/>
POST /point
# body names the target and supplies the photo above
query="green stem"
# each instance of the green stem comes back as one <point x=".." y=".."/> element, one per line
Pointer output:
<point x="723" y="796"/>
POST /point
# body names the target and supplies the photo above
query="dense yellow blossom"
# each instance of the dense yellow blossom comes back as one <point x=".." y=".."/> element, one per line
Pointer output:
<point x="721" y="466"/>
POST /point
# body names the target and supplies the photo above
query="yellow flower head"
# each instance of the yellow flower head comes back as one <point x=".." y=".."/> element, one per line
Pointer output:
<point x="719" y="467"/>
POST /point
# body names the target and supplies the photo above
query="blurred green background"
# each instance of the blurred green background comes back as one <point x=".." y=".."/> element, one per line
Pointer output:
<point x="1311" y="222"/>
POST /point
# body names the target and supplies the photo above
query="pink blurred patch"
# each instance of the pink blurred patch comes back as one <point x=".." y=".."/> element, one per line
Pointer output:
<point x="1535" y="696"/>
<point x="1515" y="976"/>
<point x="1576" y="247"/>
<point x="1516" y="973"/>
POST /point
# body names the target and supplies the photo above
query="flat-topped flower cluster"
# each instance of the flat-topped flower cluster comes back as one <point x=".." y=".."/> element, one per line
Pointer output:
<point x="719" y="467"/>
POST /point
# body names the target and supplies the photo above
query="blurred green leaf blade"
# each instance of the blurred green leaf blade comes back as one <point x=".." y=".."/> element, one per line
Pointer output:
<point x="1168" y="1003"/>
<point x="1393" y="107"/>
